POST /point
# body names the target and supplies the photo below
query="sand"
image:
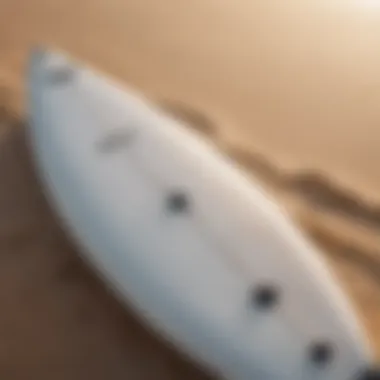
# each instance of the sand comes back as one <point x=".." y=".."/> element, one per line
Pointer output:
<point x="289" y="91"/>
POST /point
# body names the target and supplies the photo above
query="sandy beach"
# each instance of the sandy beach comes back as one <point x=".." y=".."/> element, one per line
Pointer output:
<point x="289" y="89"/>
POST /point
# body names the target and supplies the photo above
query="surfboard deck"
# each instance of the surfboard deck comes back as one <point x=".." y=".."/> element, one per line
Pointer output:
<point x="185" y="238"/>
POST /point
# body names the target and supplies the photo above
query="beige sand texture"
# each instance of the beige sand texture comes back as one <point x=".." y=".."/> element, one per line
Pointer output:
<point x="289" y="89"/>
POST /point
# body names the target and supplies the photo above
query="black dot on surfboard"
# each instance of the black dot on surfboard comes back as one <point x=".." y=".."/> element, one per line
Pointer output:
<point x="265" y="297"/>
<point x="369" y="374"/>
<point x="60" y="75"/>
<point x="321" y="353"/>
<point x="177" y="202"/>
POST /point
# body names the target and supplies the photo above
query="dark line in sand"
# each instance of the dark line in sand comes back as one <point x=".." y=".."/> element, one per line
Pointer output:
<point x="312" y="187"/>
<point x="368" y="260"/>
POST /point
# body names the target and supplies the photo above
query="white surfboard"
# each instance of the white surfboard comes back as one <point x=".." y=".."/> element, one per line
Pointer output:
<point x="183" y="237"/>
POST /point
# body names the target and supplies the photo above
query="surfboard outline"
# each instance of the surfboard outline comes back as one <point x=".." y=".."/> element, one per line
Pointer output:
<point x="253" y="307"/>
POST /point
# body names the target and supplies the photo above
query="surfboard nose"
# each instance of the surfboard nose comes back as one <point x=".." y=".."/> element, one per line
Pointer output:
<point x="37" y="66"/>
<point x="47" y="69"/>
<point x="49" y="74"/>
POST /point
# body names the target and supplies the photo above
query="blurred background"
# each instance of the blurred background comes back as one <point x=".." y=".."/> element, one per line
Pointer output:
<point x="290" y="89"/>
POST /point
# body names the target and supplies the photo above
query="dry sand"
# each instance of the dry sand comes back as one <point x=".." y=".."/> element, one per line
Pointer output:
<point x="290" y="91"/>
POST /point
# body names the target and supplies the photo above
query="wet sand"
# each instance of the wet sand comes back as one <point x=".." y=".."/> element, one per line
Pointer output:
<point x="291" y="96"/>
